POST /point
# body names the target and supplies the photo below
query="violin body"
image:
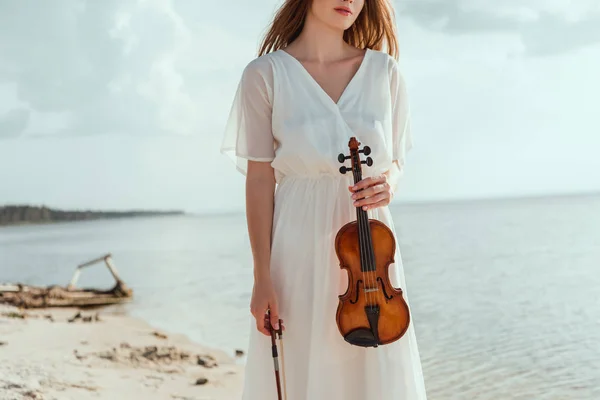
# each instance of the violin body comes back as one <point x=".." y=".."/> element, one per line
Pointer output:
<point x="371" y="312"/>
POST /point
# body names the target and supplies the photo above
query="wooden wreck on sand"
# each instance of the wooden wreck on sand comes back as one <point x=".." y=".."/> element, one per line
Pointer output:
<point x="26" y="296"/>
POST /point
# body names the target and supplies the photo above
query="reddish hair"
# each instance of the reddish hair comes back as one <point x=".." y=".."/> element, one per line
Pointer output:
<point x="374" y="27"/>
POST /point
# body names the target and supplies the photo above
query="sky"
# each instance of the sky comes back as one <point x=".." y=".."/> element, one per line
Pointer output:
<point x="121" y="104"/>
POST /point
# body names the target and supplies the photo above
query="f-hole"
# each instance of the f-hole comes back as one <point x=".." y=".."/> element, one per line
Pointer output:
<point x="388" y="297"/>
<point x="358" y="282"/>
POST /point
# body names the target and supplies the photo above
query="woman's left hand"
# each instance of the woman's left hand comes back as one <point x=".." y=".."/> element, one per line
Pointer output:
<point x="372" y="192"/>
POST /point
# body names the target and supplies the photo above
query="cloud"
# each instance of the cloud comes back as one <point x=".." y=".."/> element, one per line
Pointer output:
<point x="112" y="66"/>
<point x="544" y="28"/>
<point x="148" y="67"/>
<point x="14" y="122"/>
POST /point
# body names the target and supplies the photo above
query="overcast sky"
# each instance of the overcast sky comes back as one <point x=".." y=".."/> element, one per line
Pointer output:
<point x="121" y="104"/>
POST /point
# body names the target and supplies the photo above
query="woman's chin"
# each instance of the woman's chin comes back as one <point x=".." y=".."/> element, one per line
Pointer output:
<point x="340" y="24"/>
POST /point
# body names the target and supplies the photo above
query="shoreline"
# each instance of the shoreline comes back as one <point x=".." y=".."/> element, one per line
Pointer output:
<point x="26" y="214"/>
<point x="106" y="354"/>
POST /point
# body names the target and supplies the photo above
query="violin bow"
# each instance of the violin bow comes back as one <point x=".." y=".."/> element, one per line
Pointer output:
<point x="278" y="334"/>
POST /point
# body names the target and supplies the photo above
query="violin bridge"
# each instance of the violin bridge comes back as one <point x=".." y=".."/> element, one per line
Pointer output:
<point x="369" y="290"/>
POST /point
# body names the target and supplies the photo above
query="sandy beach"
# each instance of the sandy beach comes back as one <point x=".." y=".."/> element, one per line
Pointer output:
<point x="102" y="354"/>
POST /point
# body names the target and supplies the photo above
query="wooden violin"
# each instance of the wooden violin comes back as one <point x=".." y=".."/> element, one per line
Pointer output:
<point x="371" y="312"/>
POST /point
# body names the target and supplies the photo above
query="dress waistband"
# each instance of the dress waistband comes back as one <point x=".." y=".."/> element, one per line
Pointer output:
<point x="315" y="177"/>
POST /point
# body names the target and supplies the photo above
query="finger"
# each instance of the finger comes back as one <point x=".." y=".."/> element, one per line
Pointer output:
<point x="370" y="181"/>
<point x="370" y="191"/>
<point x="363" y="183"/>
<point x="372" y="200"/>
<point x="376" y="205"/>
<point x="362" y="193"/>
<point x="274" y="320"/>
<point x="267" y="322"/>
<point x="262" y="328"/>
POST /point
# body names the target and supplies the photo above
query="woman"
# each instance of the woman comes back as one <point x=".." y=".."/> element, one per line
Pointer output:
<point x="320" y="78"/>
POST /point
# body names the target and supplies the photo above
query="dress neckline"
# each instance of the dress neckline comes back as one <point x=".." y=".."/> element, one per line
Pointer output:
<point x="350" y="83"/>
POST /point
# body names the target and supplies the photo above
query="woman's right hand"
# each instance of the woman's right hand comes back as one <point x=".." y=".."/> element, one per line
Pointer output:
<point x="263" y="299"/>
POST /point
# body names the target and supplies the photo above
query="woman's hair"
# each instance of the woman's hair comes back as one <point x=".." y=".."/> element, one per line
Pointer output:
<point x="374" y="27"/>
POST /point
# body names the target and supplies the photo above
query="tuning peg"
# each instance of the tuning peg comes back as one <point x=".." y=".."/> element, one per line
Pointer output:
<point x="342" y="158"/>
<point x="369" y="161"/>
<point x="366" y="150"/>
<point x="343" y="170"/>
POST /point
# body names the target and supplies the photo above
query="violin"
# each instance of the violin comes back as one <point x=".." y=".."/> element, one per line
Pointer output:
<point x="371" y="312"/>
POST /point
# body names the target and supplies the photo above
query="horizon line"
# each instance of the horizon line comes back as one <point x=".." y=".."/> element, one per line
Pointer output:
<point x="398" y="203"/>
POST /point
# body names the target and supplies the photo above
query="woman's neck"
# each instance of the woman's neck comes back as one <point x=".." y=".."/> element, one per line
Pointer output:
<point x="319" y="42"/>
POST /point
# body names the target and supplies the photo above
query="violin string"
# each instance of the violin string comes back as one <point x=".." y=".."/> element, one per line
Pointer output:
<point x="371" y="254"/>
<point x="363" y="252"/>
<point x="358" y="221"/>
<point x="370" y="260"/>
<point x="360" y="245"/>
<point x="362" y="240"/>
<point x="371" y="276"/>
<point x="368" y="252"/>
<point x="365" y="228"/>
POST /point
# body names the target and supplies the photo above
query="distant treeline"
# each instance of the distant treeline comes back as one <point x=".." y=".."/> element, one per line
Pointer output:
<point x="19" y="214"/>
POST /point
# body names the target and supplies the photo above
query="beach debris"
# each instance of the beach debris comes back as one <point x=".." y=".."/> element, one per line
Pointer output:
<point x="11" y="385"/>
<point x="207" y="361"/>
<point x="78" y="356"/>
<point x="24" y="315"/>
<point x="239" y="352"/>
<point x="84" y="318"/>
<point x="166" y="359"/>
<point x="201" y="381"/>
<point x="159" y="335"/>
<point x="33" y="395"/>
<point x="173" y="370"/>
<point x="14" y="314"/>
<point x="75" y="317"/>
<point x="145" y="354"/>
<point x="26" y="296"/>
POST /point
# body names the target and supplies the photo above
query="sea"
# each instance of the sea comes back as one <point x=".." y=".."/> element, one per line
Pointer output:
<point x="505" y="294"/>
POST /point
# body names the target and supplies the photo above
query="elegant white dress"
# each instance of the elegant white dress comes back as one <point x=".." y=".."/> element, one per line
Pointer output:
<point x="281" y="115"/>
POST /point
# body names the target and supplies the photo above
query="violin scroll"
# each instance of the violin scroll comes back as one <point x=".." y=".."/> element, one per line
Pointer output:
<point x="353" y="145"/>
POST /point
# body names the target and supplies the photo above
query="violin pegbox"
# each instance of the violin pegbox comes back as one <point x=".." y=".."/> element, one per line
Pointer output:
<point x="353" y="145"/>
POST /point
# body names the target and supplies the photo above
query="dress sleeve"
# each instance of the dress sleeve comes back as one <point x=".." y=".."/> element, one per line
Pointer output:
<point x="401" y="127"/>
<point x="248" y="131"/>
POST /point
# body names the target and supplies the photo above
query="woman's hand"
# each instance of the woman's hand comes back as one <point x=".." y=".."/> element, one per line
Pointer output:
<point x="263" y="299"/>
<point x="372" y="192"/>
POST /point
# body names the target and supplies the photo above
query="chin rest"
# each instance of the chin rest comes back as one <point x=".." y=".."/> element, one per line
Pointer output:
<point x="361" y="337"/>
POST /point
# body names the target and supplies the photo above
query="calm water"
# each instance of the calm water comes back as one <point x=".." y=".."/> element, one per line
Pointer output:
<point x="505" y="294"/>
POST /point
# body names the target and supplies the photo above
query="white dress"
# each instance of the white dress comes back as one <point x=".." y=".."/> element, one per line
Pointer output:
<point x="281" y="115"/>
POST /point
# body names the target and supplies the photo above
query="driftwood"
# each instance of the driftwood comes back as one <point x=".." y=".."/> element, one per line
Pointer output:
<point x="26" y="296"/>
